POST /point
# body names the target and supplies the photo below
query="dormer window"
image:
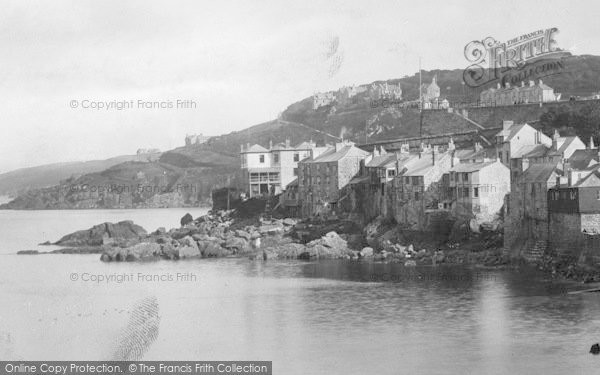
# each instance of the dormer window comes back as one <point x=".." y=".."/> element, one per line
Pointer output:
<point x="261" y="159"/>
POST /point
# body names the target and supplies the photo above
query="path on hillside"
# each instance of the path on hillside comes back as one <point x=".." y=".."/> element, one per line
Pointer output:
<point x="308" y="127"/>
<point x="475" y="124"/>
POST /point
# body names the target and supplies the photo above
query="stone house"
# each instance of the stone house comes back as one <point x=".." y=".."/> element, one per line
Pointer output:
<point x="526" y="216"/>
<point x="321" y="179"/>
<point x="510" y="141"/>
<point x="574" y="216"/>
<point x="372" y="190"/>
<point x="561" y="149"/>
<point x="418" y="186"/>
<point x="477" y="190"/>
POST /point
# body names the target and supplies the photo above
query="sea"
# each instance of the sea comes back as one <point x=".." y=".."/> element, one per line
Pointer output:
<point x="325" y="317"/>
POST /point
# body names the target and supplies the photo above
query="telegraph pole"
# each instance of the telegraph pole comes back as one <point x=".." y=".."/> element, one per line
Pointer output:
<point x="420" y="101"/>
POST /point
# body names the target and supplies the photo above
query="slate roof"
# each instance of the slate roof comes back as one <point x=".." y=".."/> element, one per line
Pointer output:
<point x="256" y="148"/>
<point x="540" y="173"/>
<point x="584" y="159"/>
<point x="332" y="155"/>
<point x="471" y="167"/>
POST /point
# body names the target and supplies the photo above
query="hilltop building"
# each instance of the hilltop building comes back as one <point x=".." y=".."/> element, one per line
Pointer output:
<point x="322" y="99"/>
<point x="385" y="90"/>
<point x="195" y="139"/>
<point x="430" y="95"/>
<point x="507" y="95"/>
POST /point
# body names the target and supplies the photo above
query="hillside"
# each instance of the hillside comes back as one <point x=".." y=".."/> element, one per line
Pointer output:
<point x="216" y="162"/>
<point x="21" y="180"/>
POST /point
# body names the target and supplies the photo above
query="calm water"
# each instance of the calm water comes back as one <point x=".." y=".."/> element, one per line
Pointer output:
<point x="308" y="318"/>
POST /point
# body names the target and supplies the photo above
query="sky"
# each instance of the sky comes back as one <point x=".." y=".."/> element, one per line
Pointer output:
<point x="234" y="63"/>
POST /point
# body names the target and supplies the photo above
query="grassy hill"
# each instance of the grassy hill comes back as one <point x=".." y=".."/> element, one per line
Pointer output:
<point x="21" y="180"/>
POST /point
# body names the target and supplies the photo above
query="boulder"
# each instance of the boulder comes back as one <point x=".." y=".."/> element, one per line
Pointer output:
<point x="366" y="252"/>
<point x="330" y="245"/>
<point x="289" y="222"/>
<point x="141" y="251"/>
<point x="237" y="244"/>
<point x="189" y="248"/>
<point x="186" y="219"/>
<point x="595" y="349"/>
<point x="123" y="233"/>
<point x="213" y="249"/>
<point x="270" y="228"/>
<point x="243" y="234"/>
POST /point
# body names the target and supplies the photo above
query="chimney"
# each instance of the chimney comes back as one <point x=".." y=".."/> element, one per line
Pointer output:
<point x="451" y="146"/>
<point x="478" y="146"/>
<point x="555" y="137"/>
<point x="434" y="155"/>
<point x="498" y="86"/>
<point x="270" y="144"/>
<point x="522" y="83"/>
<point x="591" y="146"/>
<point x="375" y="153"/>
<point x="382" y="151"/>
<point x="248" y="146"/>
<point x="241" y="148"/>
<point x="287" y="143"/>
<point x="531" y="83"/>
<point x="506" y="124"/>
<point x="558" y="181"/>
<point x="570" y="178"/>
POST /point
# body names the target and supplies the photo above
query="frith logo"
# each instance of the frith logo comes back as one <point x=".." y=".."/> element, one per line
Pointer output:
<point x="528" y="56"/>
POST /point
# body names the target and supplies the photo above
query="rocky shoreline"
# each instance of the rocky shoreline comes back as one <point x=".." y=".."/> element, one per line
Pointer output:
<point x="225" y="234"/>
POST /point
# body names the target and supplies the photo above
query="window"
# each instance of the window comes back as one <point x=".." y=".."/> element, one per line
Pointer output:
<point x="406" y="180"/>
<point x="295" y="171"/>
<point x="391" y="172"/>
<point x="500" y="155"/>
<point x="417" y="195"/>
<point x="465" y="176"/>
<point x="261" y="159"/>
<point x="475" y="192"/>
<point x="465" y="192"/>
<point x="598" y="195"/>
<point x="276" y="157"/>
<point x="415" y="180"/>
<point x="296" y="156"/>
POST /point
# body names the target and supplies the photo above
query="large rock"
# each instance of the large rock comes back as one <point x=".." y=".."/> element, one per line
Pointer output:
<point x="366" y="252"/>
<point x="237" y="244"/>
<point x="141" y="251"/>
<point x="186" y="219"/>
<point x="123" y="234"/>
<point x="330" y="245"/>
<point x="213" y="249"/>
<point x="243" y="234"/>
<point x="271" y="228"/>
<point x="189" y="248"/>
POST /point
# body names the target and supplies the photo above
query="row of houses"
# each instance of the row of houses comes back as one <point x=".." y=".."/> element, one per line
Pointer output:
<point x="510" y="95"/>
<point x="545" y="187"/>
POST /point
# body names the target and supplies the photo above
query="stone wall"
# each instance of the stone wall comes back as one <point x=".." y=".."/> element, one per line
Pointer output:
<point x="567" y="239"/>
